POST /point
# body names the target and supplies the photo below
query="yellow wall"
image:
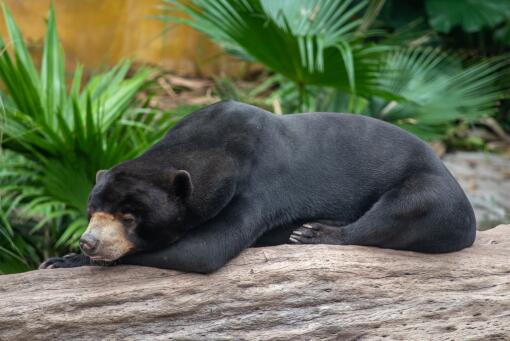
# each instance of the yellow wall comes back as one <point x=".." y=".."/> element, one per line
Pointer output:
<point x="101" y="32"/>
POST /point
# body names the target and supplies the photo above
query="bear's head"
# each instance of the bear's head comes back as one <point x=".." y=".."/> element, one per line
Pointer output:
<point x="135" y="211"/>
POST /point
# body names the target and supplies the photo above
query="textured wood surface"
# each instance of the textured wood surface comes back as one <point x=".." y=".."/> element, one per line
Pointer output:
<point x="279" y="293"/>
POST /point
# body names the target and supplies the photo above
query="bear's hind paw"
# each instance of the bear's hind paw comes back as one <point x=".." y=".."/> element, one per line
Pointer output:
<point x="317" y="233"/>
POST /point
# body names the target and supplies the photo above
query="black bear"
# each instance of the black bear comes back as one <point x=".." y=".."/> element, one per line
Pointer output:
<point x="231" y="176"/>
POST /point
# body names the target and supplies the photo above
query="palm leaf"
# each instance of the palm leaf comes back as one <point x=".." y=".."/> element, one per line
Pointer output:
<point x="309" y="42"/>
<point x="54" y="140"/>
<point x="470" y="15"/>
<point x="434" y="90"/>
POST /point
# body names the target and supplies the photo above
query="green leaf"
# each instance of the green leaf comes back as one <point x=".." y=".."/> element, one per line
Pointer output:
<point x="434" y="91"/>
<point x="54" y="139"/>
<point x="52" y="71"/>
<point x="502" y="34"/>
<point x="470" y="15"/>
<point x="21" y="51"/>
<point x="306" y="41"/>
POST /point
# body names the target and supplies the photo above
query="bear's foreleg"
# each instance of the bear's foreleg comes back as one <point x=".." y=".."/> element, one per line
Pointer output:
<point x="209" y="246"/>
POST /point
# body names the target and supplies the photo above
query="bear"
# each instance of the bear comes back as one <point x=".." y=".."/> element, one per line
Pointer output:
<point x="232" y="176"/>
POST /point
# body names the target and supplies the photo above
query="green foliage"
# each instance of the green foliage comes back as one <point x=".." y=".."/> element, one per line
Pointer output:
<point x="325" y="56"/>
<point x="437" y="91"/>
<point x="479" y="28"/>
<point x="17" y="253"/>
<point x="470" y="15"/>
<point x="502" y="34"/>
<point x="54" y="139"/>
<point x="324" y="51"/>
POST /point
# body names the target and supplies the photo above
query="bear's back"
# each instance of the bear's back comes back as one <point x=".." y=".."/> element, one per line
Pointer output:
<point x="244" y="131"/>
<point x="218" y="123"/>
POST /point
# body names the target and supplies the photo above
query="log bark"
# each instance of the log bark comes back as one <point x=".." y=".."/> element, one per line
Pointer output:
<point x="280" y="293"/>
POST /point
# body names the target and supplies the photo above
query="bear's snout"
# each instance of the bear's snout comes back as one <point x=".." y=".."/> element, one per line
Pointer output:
<point x="88" y="243"/>
<point x="105" y="238"/>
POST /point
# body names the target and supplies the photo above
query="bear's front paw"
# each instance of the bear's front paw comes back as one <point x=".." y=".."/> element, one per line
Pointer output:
<point x="71" y="260"/>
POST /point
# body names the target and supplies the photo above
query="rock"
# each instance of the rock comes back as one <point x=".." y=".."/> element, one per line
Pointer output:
<point x="279" y="293"/>
<point x="486" y="180"/>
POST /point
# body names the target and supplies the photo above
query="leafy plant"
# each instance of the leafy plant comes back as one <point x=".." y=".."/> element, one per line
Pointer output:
<point x="309" y="42"/>
<point x="477" y="28"/>
<point x="54" y="139"/>
<point x="470" y="15"/>
<point x="17" y="253"/>
<point x="437" y="90"/>
<point x="324" y="55"/>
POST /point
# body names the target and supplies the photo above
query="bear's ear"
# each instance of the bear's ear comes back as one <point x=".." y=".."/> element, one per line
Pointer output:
<point x="100" y="175"/>
<point x="182" y="184"/>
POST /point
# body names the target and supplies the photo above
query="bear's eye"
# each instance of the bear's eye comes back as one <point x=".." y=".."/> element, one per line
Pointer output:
<point x="128" y="218"/>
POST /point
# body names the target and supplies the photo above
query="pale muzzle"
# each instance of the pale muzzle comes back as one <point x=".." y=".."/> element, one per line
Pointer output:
<point x="105" y="238"/>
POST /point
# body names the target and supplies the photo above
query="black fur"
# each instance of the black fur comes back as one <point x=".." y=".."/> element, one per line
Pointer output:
<point x="255" y="177"/>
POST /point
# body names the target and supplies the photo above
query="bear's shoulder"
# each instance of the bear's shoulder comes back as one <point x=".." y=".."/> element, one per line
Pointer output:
<point x="219" y="123"/>
<point x="224" y="113"/>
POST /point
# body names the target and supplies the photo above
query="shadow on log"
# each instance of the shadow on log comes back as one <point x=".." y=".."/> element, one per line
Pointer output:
<point x="278" y="293"/>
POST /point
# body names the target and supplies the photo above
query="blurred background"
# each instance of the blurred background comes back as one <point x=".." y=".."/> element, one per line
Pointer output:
<point x="88" y="84"/>
<point x="100" y="33"/>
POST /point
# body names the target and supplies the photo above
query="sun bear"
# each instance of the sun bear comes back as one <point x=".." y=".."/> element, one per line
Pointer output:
<point x="231" y="176"/>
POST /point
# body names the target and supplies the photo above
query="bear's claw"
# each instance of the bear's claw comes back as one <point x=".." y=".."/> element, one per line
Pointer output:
<point x="317" y="233"/>
<point x="306" y="234"/>
<point x="68" y="261"/>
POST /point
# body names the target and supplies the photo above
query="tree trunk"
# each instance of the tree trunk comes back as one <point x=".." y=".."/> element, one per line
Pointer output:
<point x="279" y="293"/>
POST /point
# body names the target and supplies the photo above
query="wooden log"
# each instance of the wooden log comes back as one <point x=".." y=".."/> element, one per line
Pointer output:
<point x="302" y="292"/>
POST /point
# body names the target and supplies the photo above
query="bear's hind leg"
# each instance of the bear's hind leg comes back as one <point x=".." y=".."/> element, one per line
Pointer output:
<point x="426" y="214"/>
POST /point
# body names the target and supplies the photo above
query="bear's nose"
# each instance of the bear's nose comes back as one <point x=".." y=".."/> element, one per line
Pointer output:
<point x="88" y="243"/>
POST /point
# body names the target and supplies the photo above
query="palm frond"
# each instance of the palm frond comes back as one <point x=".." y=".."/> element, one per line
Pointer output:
<point x="309" y="42"/>
<point x="55" y="138"/>
<point x="435" y="90"/>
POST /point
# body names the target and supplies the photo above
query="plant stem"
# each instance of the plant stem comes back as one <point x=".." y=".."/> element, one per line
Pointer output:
<point x="47" y="243"/>
<point x="302" y="97"/>
<point x="372" y="12"/>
